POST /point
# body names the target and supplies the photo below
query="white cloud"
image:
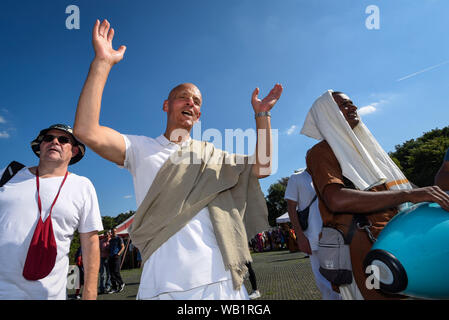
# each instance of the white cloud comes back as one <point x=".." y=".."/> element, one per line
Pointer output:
<point x="4" y="135"/>
<point x="371" y="108"/>
<point x="292" y="130"/>
<point x="366" y="110"/>
<point x="128" y="196"/>
<point x="2" y="120"/>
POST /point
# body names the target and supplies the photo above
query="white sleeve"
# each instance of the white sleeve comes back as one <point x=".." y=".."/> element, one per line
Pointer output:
<point x="90" y="217"/>
<point x="291" y="192"/>
<point x="129" y="152"/>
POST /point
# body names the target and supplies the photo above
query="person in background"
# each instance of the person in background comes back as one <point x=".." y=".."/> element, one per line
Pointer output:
<point x="252" y="279"/>
<point x="79" y="264"/>
<point x="300" y="194"/>
<point x="116" y="248"/>
<point x="105" y="275"/>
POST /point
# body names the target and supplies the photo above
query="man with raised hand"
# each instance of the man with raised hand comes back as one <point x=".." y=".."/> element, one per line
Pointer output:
<point x="40" y="209"/>
<point x="192" y="220"/>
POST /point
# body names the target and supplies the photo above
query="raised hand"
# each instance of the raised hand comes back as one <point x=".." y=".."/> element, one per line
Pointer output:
<point x="267" y="103"/>
<point x="102" y="35"/>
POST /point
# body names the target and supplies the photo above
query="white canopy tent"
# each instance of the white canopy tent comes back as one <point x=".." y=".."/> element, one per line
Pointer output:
<point x="283" y="219"/>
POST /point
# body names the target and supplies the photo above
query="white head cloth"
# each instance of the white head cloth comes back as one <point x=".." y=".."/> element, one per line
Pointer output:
<point x="362" y="159"/>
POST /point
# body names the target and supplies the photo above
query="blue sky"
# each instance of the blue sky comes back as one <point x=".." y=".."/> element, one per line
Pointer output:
<point x="227" y="48"/>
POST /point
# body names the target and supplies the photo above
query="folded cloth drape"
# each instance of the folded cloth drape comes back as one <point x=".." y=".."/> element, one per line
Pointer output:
<point x="362" y="159"/>
<point x="195" y="177"/>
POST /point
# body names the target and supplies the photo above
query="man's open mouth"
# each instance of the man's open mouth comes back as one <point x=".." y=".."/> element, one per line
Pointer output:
<point x="54" y="149"/>
<point x="187" y="113"/>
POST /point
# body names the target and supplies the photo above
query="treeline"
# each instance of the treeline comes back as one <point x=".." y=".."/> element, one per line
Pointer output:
<point x="419" y="159"/>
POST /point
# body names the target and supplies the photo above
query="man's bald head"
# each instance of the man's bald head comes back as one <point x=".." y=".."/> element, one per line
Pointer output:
<point x="184" y="86"/>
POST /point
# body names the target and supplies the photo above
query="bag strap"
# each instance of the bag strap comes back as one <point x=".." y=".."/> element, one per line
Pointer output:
<point x="313" y="200"/>
<point x="10" y="172"/>
<point x="307" y="208"/>
<point x="359" y="221"/>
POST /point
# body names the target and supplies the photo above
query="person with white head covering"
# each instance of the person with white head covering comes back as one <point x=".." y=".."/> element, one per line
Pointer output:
<point x="352" y="174"/>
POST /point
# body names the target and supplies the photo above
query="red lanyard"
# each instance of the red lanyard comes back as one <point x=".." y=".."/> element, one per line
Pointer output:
<point x="39" y="198"/>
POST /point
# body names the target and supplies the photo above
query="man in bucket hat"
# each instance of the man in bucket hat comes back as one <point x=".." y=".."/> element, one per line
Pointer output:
<point x="40" y="209"/>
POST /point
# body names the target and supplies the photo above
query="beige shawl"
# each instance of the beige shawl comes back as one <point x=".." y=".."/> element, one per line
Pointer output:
<point x="195" y="177"/>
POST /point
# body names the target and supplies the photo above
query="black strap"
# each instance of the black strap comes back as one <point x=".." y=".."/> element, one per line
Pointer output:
<point x="313" y="200"/>
<point x="359" y="219"/>
<point x="10" y="172"/>
<point x="306" y="209"/>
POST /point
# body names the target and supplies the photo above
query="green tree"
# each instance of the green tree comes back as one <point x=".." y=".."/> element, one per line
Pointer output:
<point x="123" y="217"/>
<point x="74" y="245"/>
<point x="420" y="159"/>
<point x="276" y="203"/>
<point x="108" y="222"/>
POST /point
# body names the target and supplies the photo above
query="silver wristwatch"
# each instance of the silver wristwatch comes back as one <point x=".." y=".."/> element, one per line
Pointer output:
<point x="263" y="114"/>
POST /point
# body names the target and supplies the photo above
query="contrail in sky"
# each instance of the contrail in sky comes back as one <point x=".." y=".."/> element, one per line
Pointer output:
<point x="422" y="71"/>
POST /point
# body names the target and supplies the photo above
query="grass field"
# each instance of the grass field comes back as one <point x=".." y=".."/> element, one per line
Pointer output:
<point x="281" y="275"/>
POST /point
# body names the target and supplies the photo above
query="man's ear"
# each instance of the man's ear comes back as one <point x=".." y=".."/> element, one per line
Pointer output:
<point x="75" y="151"/>
<point x="165" y="106"/>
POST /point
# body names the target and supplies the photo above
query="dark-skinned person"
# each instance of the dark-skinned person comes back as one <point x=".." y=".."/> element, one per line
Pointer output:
<point x="360" y="189"/>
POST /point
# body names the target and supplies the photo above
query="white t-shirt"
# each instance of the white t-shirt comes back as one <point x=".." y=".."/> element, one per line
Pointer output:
<point x="76" y="209"/>
<point x="300" y="189"/>
<point x="191" y="257"/>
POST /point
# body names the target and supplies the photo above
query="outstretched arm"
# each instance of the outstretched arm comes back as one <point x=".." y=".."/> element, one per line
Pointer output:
<point x="340" y="199"/>
<point x="105" y="141"/>
<point x="262" y="166"/>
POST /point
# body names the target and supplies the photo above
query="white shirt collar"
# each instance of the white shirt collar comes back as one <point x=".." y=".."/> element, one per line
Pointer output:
<point x="163" y="141"/>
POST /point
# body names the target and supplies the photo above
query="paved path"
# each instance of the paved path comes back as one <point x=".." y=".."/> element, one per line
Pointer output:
<point x="281" y="275"/>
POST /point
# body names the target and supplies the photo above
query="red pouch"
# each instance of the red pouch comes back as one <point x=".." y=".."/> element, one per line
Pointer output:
<point x="42" y="252"/>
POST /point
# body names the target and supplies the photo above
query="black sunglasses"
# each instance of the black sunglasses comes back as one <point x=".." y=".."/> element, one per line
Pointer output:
<point x="61" y="139"/>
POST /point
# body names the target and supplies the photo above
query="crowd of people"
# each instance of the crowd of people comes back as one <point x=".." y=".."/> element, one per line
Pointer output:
<point x="193" y="219"/>
<point x="281" y="237"/>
